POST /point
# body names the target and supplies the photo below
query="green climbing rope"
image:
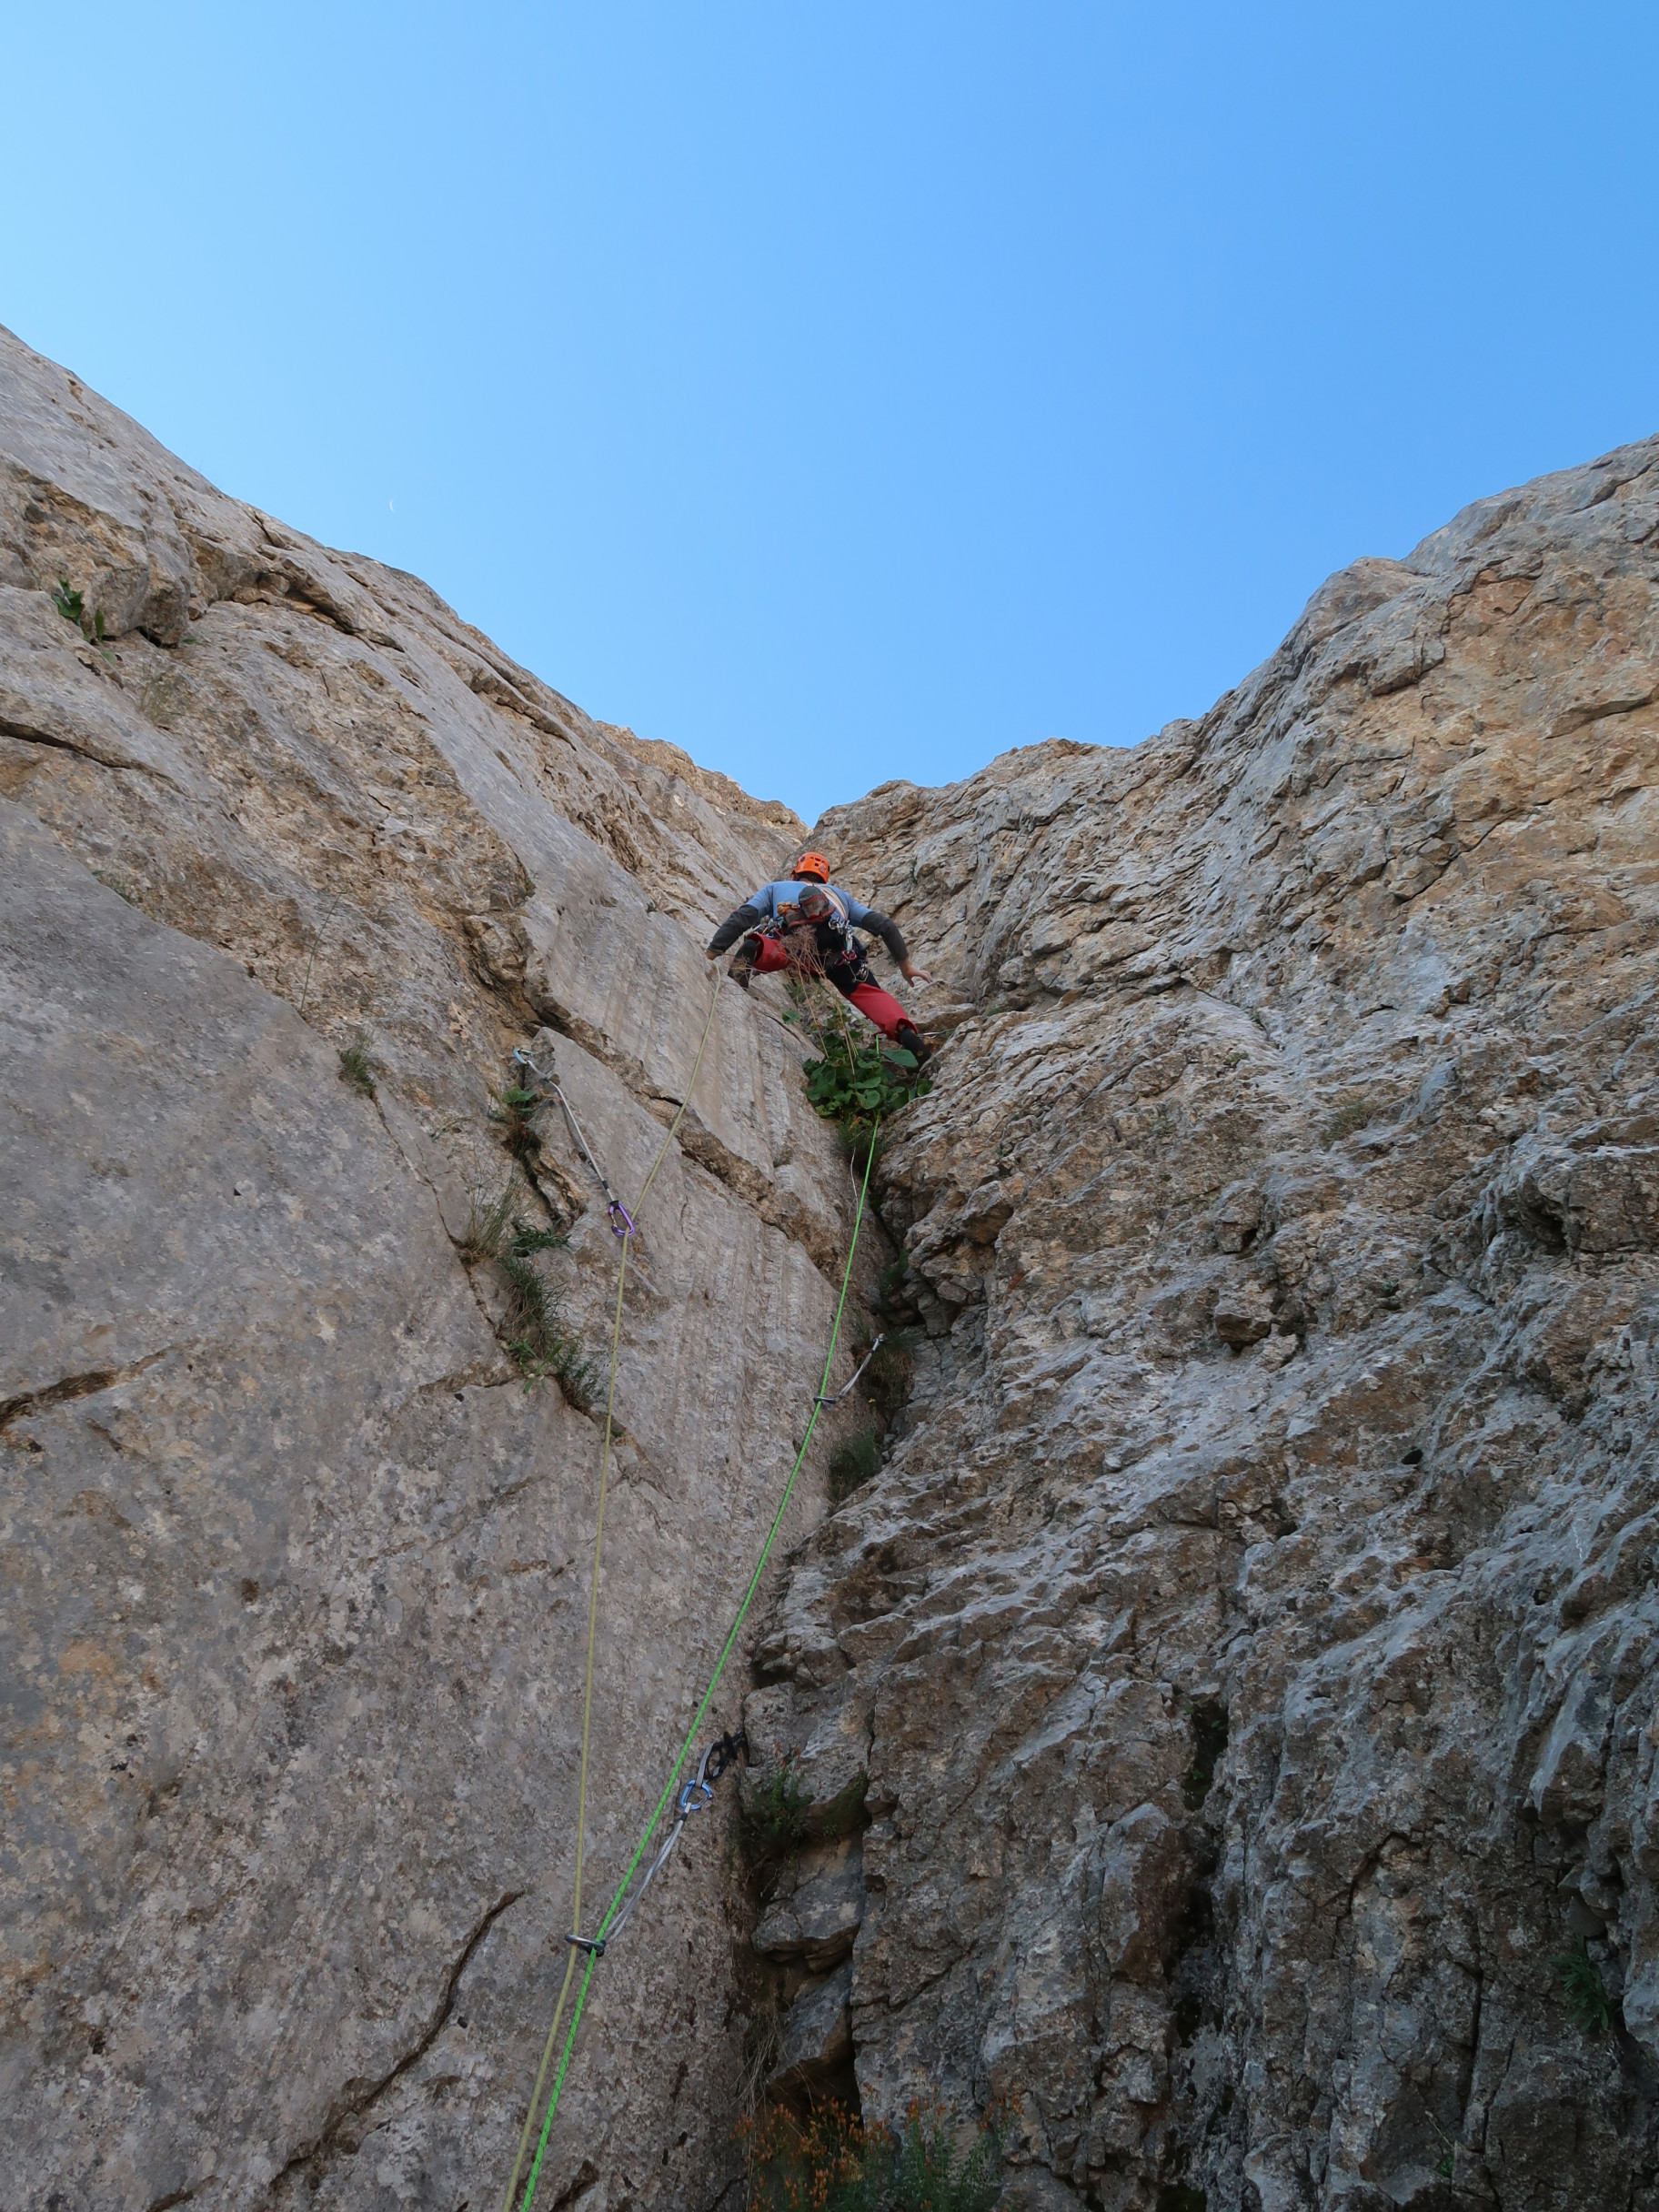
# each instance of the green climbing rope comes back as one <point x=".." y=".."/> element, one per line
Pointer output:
<point x="628" y="1233"/>
<point x="714" y="1682"/>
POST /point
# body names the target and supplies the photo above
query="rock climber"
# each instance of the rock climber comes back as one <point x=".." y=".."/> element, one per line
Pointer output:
<point x="805" y="922"/>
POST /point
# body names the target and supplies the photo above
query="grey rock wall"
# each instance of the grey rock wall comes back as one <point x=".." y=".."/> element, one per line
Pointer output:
<point x="1250" y="1646"/>
<point x="295" y="1565"/>
<point x="1234" y="1690"/>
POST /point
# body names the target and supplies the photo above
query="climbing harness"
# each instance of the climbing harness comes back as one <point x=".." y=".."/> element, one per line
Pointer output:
<point x="621" y="1220"/>
<point x="592" y="1948"/>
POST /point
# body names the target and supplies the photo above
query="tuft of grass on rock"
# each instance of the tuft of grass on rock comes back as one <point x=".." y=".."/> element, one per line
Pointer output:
<point x="772" y="1822"/>
<point x="1583" y="1988"/>
<point x="355" y="1067"/>
<point x="487" y="1226"/>
<point x="1354" y="1113"/>
<point x="852" y="1463"/>
<point x="527" y="1239"/>
<point x="834" y="2161"/>
<point x="535" y="1328"/>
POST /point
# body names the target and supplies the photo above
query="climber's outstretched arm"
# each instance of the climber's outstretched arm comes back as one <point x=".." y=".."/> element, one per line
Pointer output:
<point x="892" y="937"/>
<point x="739" y="924"/>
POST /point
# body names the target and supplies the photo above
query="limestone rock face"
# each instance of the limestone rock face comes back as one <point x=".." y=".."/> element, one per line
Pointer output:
<point x="296" y="1564"/>
<point x="1251" y="1645"/>
<point x="1235" y="1691"/>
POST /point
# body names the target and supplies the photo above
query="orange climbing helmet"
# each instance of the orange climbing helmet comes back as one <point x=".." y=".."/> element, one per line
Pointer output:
<point x="812" y="864"/>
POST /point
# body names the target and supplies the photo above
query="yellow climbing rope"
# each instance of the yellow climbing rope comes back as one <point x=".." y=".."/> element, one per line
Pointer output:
<point x="593" y="1590"/>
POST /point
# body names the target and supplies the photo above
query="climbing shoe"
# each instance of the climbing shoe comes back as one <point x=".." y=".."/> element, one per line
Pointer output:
<point x="913" y="1042"/>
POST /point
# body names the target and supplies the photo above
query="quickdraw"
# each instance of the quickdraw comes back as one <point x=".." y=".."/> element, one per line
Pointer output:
<point x="697" y="1793"/>
<point x="621" y="1220"/>
<point x="856" y="1371"/>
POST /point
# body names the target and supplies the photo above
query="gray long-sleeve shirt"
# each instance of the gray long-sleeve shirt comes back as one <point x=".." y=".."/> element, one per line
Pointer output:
<point x="769" y="902"/>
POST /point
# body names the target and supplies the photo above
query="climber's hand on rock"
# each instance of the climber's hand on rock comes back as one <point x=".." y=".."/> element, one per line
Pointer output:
<point x="709" y="953"/>
<point x="915" y="975"/>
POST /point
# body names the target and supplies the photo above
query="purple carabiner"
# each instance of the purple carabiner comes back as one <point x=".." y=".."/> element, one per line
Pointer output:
<point x="628" y="1228"/>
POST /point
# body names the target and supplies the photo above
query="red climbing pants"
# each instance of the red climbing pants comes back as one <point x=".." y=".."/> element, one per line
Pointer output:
<point x="875" y="1004"/>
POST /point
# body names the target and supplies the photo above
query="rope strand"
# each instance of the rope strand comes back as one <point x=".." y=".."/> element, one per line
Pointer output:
<point x="593" y="1591"/>
<point x="690" y="1738"/>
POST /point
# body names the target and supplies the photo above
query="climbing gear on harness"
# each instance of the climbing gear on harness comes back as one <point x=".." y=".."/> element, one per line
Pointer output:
<point x="621" y="1220"/>
<point x="627" y="1236"/>
<point x="856" y="1371"/>
<point x="812" y="864"/>
<point x="607" y="1926"/>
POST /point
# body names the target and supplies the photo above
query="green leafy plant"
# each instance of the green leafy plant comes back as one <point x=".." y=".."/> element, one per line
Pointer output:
<point x="853" y="1463"/>
<point x="355" y="1067"/>
<point x="1583" y="1988"/>
<point x="72" y="606"/>
<point x="515" y="1111"/>
<point x="856" y="1083"/>
<point x="1352" y="1114"/>
<point x="859" y="1079"/>
<point x="931" y="2175"/>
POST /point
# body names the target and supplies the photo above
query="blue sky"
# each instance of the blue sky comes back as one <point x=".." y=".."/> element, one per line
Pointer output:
<point x="849" y="393"/>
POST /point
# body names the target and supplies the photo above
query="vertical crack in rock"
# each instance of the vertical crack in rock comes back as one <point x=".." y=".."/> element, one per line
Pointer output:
<point x="353" y="2104"/>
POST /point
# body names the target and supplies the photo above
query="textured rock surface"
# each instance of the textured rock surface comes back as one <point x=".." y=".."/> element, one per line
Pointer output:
<point x="1251" y="1645"/>
<point x="296" y="1568"/>
<point x="1236" y="1687"/>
